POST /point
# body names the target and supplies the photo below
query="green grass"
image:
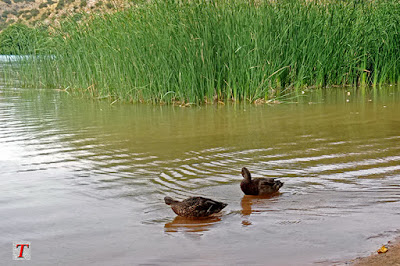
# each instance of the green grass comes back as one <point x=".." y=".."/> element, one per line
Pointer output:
<point x="19" y="39"/>
<point x="202" y="51"/>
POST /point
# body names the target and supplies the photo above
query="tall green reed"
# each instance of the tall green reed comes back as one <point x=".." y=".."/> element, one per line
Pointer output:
<point x="197" y="51"/>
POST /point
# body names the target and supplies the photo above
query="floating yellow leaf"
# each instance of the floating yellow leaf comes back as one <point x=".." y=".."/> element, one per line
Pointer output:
<point x="383" y="249"/>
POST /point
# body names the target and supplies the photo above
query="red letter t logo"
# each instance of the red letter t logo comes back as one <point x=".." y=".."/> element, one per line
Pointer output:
<point x="22" y="249"/>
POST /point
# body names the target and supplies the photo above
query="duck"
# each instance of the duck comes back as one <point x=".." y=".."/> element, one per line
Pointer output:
<point x="259" y="186"/>
<point x="195" y="207"/>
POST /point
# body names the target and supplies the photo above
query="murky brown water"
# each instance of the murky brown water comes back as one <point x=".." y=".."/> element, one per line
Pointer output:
<point x="84" y="181"/>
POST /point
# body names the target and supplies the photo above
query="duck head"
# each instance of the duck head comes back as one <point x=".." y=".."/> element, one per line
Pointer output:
<point x="246" y="174"/>
<point x="169" y="200"/>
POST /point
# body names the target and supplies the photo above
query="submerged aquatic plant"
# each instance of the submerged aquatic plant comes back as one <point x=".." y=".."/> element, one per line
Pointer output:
<point x="204" y="51"/>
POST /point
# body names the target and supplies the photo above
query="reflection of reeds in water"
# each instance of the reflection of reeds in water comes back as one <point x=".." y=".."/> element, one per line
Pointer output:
<point x="182" y="224"/>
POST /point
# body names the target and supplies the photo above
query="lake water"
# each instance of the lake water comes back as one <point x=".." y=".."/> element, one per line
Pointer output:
<point x="84" y="181"/>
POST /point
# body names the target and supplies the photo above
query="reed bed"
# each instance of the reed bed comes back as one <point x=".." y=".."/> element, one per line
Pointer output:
<point x="205" y="51"/>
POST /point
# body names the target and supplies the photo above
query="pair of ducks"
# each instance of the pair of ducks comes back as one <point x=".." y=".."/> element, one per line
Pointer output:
<point x="199" y="207"/>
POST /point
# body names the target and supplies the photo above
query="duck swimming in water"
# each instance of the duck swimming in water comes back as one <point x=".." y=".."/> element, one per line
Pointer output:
<point x="195" y="207"/>
<point x="258" y="186"/>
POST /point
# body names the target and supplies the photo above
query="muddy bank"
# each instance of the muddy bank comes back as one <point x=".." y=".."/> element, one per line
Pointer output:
<point x="391" y="257"/>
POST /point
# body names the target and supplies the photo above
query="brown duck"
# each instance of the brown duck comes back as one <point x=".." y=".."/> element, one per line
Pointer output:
<point x="195" y="207"/>
<point x="258" y="186"/>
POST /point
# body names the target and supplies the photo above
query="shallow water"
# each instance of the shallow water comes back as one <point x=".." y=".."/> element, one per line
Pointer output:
<point x="84" y="181"/>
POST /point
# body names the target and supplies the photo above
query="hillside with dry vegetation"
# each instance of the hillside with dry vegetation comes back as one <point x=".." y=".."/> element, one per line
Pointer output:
<point x="46" y="12"/>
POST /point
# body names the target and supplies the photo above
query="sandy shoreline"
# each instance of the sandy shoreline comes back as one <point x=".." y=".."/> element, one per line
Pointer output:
<point x="391" y="257"/>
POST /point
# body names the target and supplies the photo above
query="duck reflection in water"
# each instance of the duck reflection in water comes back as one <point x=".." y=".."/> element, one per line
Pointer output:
<point x="255" y="204"/>
<point x="190" y="225"/>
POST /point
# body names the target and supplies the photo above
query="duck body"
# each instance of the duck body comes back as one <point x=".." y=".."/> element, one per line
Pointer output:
<point x="258" y="186"/>
<point x="195" y="207"/>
